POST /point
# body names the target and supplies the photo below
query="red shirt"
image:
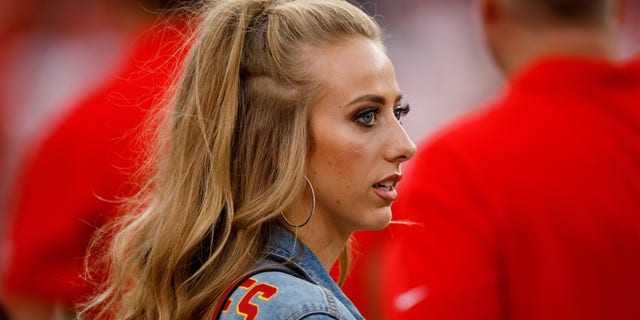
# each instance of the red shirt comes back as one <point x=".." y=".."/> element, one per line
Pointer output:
<point x="529" y="209"/>
<point x="76" y="180"/>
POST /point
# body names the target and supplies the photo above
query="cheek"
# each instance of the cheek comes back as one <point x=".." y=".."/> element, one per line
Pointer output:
<point x="338" y="157"/>
<point x="341" y="170"/>
<point x="341" y="159"/>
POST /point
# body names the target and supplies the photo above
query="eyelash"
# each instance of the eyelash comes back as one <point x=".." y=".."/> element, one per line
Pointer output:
<point x="360" y="116"/>
<point x="399" y="112"/>
<point x="402" y="111"/>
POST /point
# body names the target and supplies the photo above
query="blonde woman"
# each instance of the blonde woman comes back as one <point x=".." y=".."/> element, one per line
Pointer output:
<point x="284" y="139"/>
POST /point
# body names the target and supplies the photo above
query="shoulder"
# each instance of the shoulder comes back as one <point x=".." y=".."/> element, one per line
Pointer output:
<point x="490" y="133"/>
<point x="278" y="295"/>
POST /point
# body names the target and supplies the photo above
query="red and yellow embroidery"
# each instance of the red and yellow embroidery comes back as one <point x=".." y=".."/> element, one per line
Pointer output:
<point x="245" y="307"/>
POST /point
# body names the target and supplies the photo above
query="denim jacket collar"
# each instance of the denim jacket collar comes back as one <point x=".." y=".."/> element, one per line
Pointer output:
<point x="284" y="245"/>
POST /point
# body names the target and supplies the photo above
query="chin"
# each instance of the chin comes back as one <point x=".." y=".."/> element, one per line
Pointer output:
<point x="379" y="219"/>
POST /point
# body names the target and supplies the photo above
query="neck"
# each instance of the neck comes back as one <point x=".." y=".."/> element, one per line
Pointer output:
<point x="567" y="42"/>
<point x="322" y="235"/>
<point x="132" y="15"/>
<point x="323" y="239"/>
<point x="326" y="249"/>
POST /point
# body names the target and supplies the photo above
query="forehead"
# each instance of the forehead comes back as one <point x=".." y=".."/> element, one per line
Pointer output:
<point x="354" y="67"/>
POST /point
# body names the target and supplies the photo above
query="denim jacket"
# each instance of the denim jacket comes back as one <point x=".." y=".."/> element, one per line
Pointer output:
<point x="279" y="295"/>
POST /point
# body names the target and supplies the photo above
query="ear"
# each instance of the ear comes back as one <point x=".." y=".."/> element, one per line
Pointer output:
<point x="489" y="11"/>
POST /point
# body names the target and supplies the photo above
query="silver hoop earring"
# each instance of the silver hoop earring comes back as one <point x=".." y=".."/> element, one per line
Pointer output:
<point x="313" y="208"/>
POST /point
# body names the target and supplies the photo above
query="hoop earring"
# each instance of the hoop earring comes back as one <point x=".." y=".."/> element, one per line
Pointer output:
<point x="313" y="208"/>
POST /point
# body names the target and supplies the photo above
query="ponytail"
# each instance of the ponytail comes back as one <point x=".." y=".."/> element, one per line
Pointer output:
<point x="231" y="156"/>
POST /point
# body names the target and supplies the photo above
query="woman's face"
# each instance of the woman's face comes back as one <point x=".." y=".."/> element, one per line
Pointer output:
<point x="358" y="141"/>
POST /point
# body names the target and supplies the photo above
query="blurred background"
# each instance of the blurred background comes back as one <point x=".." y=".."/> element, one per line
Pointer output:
<point x="57" y="52"/>
<point x="53" y="53"/>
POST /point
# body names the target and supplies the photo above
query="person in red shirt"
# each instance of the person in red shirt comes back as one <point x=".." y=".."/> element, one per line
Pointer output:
<point x="77" y="178"/>
<point x="530" y="207"/>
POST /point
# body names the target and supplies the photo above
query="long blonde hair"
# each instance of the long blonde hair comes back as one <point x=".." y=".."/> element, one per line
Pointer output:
<point x="232" y="156"/>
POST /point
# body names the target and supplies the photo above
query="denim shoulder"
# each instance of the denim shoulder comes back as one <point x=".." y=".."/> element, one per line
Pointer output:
<point x="278" y="295"/>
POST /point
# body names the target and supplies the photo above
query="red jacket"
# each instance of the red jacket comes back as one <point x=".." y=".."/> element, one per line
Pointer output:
<point x="74" y="183"/>
<point x="529" y="209"/>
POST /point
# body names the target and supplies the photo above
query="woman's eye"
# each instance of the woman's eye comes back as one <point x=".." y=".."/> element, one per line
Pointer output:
<point x="402" y="111"/>
<point x="367" y="116"/>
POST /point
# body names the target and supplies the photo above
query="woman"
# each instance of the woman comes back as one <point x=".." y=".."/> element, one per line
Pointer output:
<point x="284" y="140"/>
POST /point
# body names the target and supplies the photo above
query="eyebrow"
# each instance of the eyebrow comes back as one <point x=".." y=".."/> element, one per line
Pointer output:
<point x="373" y="98"/>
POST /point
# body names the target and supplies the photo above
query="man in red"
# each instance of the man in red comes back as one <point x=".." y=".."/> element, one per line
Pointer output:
<point x="80" y="175"/>
<point x="530" y="208"/>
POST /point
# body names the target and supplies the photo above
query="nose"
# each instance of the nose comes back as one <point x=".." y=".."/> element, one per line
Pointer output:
<point x="400" y="148"/>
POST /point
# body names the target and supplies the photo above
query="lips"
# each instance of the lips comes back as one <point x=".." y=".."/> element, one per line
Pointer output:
<point x="386" y="188"/>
